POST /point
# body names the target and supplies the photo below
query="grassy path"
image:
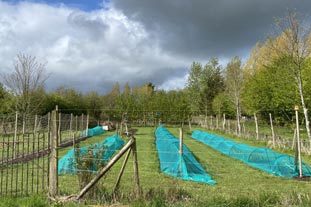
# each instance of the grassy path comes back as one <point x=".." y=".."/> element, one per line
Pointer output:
<point x="237" y="183"/>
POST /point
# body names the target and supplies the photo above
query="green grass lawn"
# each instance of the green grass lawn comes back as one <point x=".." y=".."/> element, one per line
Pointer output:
<point x="236" y="182"/>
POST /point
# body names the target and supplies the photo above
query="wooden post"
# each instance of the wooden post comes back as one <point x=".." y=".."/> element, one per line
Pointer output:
<point x="15" y="135"/>
<point x="35" y="126"/>
<point x="180" y="148"/>
<point x="82" y="121"/>
<point x="53" y="178"/>
<point x="224" y="122"/>
<point x="76" y="125"/>
<point x="256" y="125"/>
<point x="126" y="129"/>
<point x="135" y="164"/>
<point x="70" y="126"/>
<point x="59" y="126"/>
<point x="180" y="141"/>
<point x="87" y="125"/>
<point x="298" y="142"/>
<point x="272" y="131"/>
<point x="24" y="124"/>
<point x="121" y="171"/>
<point x="294" y="138"/>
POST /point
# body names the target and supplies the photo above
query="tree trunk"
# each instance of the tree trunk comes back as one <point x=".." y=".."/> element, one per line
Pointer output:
<point x="238" y="116"/>
<point x="305" y="110"/>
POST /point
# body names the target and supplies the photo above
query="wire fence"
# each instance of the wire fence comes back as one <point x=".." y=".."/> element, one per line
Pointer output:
<point x="25" y="146"/>
<point x="25" y="143"/>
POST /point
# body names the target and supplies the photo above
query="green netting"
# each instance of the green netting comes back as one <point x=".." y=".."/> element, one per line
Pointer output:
<point x="67" y="164"/>
<point x="261" y="158"/>
<point x="93" y="131"/>
<point x="183" y="166"/>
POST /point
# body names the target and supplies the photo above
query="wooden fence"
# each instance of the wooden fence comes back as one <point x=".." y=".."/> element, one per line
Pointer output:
<point x="26" y="146"/>
<point x="284" y="137"/>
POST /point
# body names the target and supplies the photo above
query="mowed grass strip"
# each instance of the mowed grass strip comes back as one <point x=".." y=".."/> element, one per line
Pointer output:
<point x="236" y="181"/>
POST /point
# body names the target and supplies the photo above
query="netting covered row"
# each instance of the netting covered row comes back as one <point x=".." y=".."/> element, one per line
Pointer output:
<point x="67" y="164"/>
<point x="261" y="158"/>
<point x="183" y="166"/>
<point x="93" y="131"/>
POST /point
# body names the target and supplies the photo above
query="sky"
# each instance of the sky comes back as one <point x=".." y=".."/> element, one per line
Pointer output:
<point x="89" y="45"/>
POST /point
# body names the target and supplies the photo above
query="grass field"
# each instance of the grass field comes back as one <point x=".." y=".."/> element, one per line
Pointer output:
<point x="237" y="183"/>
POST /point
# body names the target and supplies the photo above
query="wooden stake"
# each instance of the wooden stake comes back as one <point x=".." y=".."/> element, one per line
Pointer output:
<point x="35" y="126"/>
<point x="294" y="138"/>
<point x="180" y="141"/>
<point x="272" y="131"/>
<point x="135" y="164"/>
<point x="256" y="125"/>
<point x="298" y="142"/>
<point x="53" y="177"/>
<point x="15" y="134"/>
<point x="87" y="125"/>
<point x="121" y="171"/>
<point x="224" y="122"/>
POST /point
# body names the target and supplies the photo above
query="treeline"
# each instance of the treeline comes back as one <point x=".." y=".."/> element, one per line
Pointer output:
<point x="274" y="79"/>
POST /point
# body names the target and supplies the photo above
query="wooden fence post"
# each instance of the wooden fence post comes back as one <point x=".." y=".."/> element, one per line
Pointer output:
<point x="135" y="162"/>
<point x="256" y="125"/>
<point x="59" y="114"/>
<point x="87" y="125"/>
<point x="15" y="136"/>
<point x="35" y="125"/>
<point x="224" y="122"/>
<point x="298" y="142"/>
<point x="53" y="177"/>
<point x="272" y="131"/>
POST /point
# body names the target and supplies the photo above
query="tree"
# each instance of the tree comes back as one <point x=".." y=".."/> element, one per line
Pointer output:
<point x="294" y="46"/>
<point x="212" y="83"/>
<point x="271" y="89"/>
<point x="234" y="84"/>
<point x="93" y="103"/>
<point x="68" y="100"/>
<point x="193" y="86"/>
<point x="27" y="78"/>
<point x="5" y="100"/>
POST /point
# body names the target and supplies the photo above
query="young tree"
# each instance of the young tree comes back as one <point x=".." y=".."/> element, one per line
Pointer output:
<point x="212" y="83"/>
<point x="194" y="86"/>
<point x="5" y="100"/>
<point x="27" y="78"/>
<point x="294" y="44"/>
<point x="234" y="83"/>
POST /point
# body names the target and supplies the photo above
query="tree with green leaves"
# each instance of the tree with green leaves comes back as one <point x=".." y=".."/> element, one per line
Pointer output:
<point x="294" y="46"/>
<point x="212" y="83"/>
<point x="5" y="100"/>
<point x="271" y="89"/>
<point x="193" y="86"/>
<point x="234" y="83"/>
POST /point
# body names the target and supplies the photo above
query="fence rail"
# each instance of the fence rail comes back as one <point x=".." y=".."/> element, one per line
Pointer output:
<point x="25" y="147"/>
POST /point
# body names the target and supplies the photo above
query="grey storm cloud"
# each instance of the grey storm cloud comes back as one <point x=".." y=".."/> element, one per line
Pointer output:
<point x="204" y="28"/>
<point x="134" y="41"/>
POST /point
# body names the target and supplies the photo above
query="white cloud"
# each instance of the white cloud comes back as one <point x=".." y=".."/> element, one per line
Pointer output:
<point x="85" y="50"/>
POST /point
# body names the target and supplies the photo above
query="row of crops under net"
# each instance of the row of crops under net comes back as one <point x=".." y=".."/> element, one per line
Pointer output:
<point x="186" y="167"/>
<point x="183" y="165"/>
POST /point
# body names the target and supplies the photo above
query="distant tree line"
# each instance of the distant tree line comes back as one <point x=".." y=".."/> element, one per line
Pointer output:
<point x="275" y="77"/>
